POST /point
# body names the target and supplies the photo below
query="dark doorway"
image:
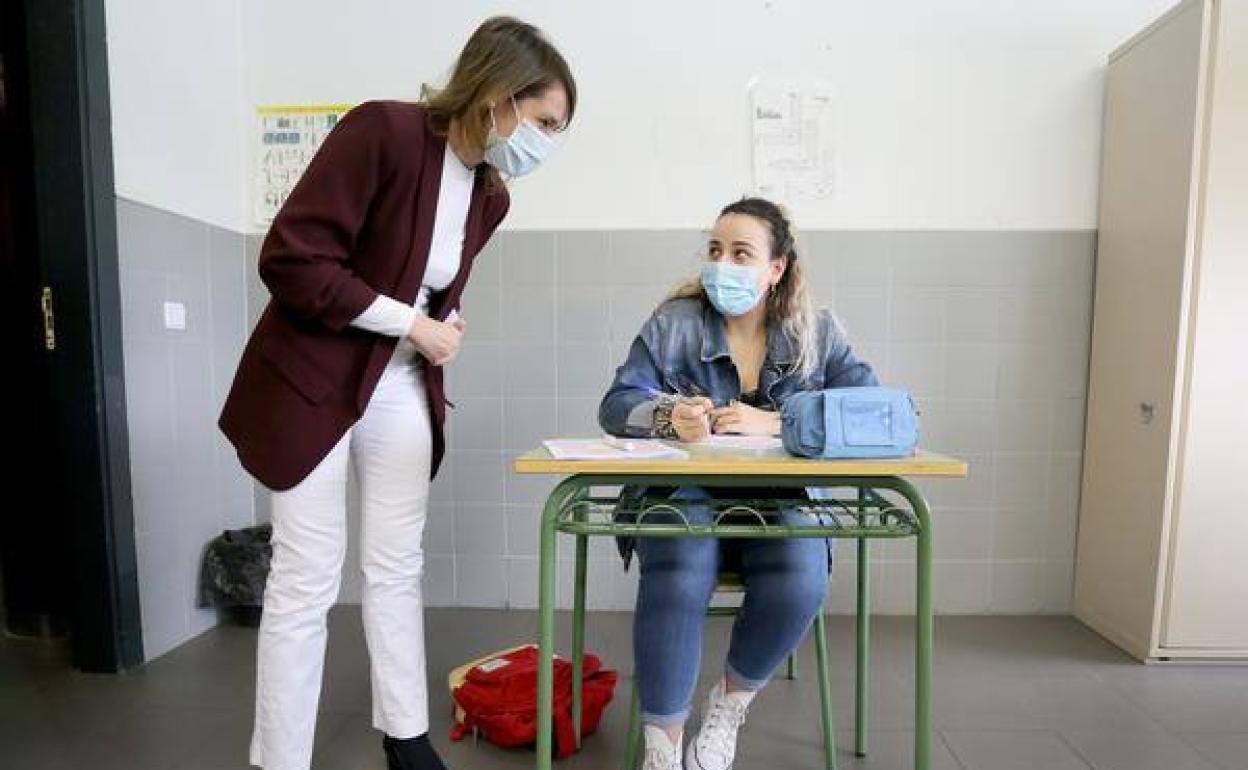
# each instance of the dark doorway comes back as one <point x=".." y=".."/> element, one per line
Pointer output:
<point x="67" y="553"/>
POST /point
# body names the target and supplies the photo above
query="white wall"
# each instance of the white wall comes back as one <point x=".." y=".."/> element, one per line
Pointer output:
<point x="178" y="107"/>
<point x="981" y="117"/>
<point x="955" y="115"/>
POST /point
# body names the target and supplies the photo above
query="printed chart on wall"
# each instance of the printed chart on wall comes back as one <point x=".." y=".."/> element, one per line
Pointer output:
<point x="288" y="137"/>
<point x="793" y="143"/>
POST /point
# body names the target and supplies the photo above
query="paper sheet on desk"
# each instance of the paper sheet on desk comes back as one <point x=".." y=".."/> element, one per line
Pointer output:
<point x="740" y="443"/>
<point x="617" y="449"/>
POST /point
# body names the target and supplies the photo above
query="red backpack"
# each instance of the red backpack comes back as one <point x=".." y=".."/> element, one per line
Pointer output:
<point x="496" y="696"/>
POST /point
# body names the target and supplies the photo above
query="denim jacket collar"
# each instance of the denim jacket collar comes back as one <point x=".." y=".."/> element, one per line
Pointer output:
<point x="715" y="343"/>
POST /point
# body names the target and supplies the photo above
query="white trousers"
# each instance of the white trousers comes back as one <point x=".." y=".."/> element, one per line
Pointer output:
<point x="390" y="447"/>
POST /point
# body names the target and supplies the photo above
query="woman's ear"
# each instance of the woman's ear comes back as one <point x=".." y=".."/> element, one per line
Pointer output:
<point x="778" y="266"/>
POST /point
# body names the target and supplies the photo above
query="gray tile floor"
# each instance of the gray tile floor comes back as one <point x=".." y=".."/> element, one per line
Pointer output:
<point x="1011" y="692"/>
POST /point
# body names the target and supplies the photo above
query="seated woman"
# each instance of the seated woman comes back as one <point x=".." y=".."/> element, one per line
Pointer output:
<point x="720" y="356"/>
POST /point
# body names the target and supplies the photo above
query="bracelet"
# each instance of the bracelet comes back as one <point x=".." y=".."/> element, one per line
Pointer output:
<point x="663" y="427"/>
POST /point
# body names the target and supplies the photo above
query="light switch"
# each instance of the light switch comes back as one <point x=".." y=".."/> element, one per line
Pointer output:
<point x="175" y="316"/>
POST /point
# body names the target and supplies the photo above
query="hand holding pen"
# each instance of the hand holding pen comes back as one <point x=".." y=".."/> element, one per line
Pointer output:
<point x="691" y="418"/>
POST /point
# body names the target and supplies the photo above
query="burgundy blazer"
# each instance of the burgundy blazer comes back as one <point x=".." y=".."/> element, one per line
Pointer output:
<point x="358" y="223"/>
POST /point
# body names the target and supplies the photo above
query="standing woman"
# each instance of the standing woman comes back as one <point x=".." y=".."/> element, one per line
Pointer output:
<point x="366" y="263"/>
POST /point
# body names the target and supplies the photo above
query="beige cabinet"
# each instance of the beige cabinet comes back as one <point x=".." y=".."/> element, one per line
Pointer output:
<point x="1162" y="559"/>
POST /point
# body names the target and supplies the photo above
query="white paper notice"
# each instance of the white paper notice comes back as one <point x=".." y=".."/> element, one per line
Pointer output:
<point x="287" y="140"/>
<point x="793" y="141"/>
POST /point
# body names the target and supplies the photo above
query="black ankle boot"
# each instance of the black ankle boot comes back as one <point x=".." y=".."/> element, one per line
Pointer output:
<point x="411" y="754"/>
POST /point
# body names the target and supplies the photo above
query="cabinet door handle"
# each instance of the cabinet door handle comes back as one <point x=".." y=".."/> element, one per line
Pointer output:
<point x="49" y="318"/>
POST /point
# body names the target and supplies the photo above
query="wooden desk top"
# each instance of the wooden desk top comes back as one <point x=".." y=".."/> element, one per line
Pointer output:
<point x="721" y="462"/>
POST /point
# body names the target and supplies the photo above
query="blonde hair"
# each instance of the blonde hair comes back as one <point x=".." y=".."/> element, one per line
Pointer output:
<point x="504" y="58"/>
<point x="789" y="303"/>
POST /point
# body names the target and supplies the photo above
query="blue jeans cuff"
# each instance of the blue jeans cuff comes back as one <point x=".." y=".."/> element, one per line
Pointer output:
<point x="741" y="682"/>
<point x="665" y="721"/>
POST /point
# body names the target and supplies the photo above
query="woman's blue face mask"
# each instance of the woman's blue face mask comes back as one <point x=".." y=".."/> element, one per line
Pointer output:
<point x="732" y="289"/>
<point x="522" y="151"/>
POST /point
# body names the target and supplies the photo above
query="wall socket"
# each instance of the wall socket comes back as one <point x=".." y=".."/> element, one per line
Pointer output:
<point x="175" y="316"/>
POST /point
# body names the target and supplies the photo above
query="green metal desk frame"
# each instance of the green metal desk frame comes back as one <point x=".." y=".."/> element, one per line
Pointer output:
<point x="573" y="509"/>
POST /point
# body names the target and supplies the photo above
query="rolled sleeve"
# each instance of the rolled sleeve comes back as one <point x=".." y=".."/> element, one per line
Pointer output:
<point x="627" y="409"/>
<point x="386" y="316"/>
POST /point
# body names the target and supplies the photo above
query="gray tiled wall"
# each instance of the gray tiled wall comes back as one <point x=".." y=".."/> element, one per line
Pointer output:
<point x="990" y="330"/>
<point x="186" y="482"/>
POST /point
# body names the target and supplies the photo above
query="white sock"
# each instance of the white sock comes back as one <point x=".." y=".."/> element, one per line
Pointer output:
<point x="742" y="696"/>
<point x="657" y="737"/>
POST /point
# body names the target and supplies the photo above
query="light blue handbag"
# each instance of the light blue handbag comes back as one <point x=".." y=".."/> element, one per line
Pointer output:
<point x="850" y="423"/>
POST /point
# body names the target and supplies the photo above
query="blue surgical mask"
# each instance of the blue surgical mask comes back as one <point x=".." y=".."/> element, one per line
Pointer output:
<point x="520" y="153"/>
<point x="732" y="289"/>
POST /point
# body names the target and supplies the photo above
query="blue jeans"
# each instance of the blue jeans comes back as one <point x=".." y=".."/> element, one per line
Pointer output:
<point x="785" y="584"/>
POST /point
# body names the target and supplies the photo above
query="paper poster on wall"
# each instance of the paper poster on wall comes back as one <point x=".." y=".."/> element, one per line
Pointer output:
<point x="288" y="138"/>
<point x="793" y="145"/>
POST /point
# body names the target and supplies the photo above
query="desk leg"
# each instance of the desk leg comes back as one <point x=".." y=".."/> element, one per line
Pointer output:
<point x="634" y="727"/>
<point x="923" y="640"/>
<point x="578" y="635"/>
<point x="546" y="631"/>
<point x="861" y="681"/>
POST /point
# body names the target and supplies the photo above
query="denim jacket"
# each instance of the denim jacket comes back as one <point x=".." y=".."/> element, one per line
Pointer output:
<point x="683" y="349"/>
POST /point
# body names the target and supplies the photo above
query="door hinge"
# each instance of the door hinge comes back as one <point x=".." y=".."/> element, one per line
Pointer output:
<point x="49" y="320"/>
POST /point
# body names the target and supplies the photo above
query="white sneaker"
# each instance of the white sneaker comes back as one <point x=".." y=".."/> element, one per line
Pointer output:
<point x="716" y="744"/>
<point x="661" y="753"/>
